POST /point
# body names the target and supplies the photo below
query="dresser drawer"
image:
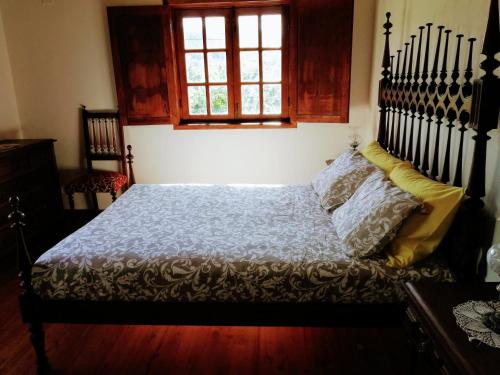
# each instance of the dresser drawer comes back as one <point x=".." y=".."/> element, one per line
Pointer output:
<point x="29" y="172"/>
<point x="7" y="238"/>
<point x="34" y="191"/>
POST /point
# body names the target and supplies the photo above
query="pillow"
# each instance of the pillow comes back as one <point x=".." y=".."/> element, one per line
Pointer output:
<point x="375" y="154"/>
<point x="372" y="216"/>
<point x="336" y="183"/>
<point x="421" y="234"/>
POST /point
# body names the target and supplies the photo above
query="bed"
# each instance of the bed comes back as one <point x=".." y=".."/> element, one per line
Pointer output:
<point x="218" y="244"/>
<point x="266" y="255"/>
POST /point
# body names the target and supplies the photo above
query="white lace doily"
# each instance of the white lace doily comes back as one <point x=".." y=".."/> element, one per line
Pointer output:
<point x="469" y="317"/>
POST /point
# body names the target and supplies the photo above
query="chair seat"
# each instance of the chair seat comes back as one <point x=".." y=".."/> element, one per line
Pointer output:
<point x="97" y="181"/>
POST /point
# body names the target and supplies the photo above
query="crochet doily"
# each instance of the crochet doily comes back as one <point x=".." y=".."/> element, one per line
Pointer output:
<point x="469" y="318"/>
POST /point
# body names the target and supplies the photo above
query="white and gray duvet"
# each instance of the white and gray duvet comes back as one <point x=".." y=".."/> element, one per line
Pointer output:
<point x="218" y="243"/>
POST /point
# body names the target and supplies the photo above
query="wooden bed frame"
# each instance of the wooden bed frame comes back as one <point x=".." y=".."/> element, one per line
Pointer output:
<point x="411" y="100"/>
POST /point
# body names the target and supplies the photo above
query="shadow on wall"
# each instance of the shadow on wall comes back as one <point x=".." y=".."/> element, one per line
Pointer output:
<point x="495" y="201"/>
<point x="10" y="133"/>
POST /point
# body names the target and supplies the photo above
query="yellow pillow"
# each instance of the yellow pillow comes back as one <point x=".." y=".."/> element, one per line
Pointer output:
<point x="422" y="232"/>
<point x="381" y="158"/>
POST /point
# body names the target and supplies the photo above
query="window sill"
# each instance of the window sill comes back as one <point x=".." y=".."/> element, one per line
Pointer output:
<point x="241" y="125"/>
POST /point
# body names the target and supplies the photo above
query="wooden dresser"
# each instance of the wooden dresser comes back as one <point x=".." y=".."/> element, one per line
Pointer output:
<point x="28" y="169"/>
<point x="439" y="346"/>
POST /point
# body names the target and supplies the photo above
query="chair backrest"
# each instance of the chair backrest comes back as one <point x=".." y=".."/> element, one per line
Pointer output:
<point x="103" y="137"/>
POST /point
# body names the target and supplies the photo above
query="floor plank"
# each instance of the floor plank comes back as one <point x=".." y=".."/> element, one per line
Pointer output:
<point x="92" y="349"/>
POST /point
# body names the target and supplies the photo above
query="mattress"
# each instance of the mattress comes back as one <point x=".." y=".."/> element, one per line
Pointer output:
<point x="217" y="243"/>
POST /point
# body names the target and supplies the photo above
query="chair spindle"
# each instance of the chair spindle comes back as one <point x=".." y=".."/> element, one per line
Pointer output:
<point x="428" y="109"/>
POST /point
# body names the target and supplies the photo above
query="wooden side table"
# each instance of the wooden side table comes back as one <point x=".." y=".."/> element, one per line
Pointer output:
<point x="438" y="344"/>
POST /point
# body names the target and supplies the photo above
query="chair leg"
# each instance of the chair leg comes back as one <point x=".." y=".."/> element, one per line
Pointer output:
<point x="38" y="342"/>
<point x="71" y="202"/>
<point x="95" y="203"/>
<point x="113" y="196"/>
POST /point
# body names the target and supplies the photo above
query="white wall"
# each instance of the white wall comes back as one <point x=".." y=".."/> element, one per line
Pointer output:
<point x="9" y="116"/>
<point x="60" y="56"/>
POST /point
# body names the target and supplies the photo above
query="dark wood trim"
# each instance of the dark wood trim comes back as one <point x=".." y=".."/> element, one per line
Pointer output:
<point x="130" y="169"/>
<point x="28" y="169"/>
<point x="181" y="52"/>
<point x="485" y="105"/>
<point x="172" y="67"/>
<point x="159" y="110"/>
<point x="234" y="126"/>
<point x="204" y="4"/>
<point x="322" y="118"/>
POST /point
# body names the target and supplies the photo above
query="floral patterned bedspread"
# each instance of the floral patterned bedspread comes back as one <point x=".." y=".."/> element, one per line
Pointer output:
<point x="217" y="243"/>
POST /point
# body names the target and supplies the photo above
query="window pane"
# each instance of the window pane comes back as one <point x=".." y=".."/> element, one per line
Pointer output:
<point x="216" y="32"/>
<point x="195" y="68"/>
<point x="217" y="67"/>
<point x="248" y="27"/>
<point x="249" y="66"/>
<point x="193" y="35"/>
<point x="250" y="99"/>
<point x="271" y="31"/>
<point x="271" y="66"/>
<point x="218" y="100"/>
<point x="197" y="100"/>
<point x="272" y="99"/>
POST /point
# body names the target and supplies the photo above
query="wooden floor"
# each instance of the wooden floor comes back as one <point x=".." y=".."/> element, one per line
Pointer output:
<point x="86" y="349"/>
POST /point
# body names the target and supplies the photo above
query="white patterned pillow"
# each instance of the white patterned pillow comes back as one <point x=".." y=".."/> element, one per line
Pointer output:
<point x="370" y="219"/>
<point x="336" y="183"/>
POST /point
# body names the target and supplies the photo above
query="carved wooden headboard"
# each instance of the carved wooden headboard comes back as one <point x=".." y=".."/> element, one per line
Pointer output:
<point x="427" y="104"/>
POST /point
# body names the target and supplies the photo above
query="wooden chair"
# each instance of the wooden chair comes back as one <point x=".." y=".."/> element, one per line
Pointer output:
<point x="103" y="138"/>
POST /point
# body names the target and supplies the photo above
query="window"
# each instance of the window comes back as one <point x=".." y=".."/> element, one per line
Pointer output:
<point x="233" y="65"/>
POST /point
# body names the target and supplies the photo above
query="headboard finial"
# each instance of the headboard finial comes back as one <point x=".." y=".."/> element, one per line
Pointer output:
<point x="410" y="65"/>
<point x="386" y="60"/>
<point x="468" y="70"/>
<point x="433" y="88"/>
<point x="491" y="43"/>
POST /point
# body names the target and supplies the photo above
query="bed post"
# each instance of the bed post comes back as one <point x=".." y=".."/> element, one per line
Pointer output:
<point x="475" y="220"/>
<point x="130" y="170"/>
<point x="28" y="300"/>
<point x="485" y="108"/>
<point x="384" y="84"/>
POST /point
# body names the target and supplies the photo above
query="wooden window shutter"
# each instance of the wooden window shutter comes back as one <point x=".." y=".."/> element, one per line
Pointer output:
<point x="140" y="39"/>
<point x="324" y="44"/>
